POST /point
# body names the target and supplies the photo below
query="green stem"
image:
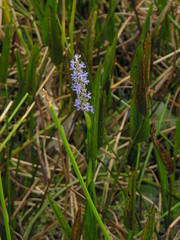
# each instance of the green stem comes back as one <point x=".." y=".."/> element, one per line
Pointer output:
<point x="76" y="169"/>
<point x="14" y="112"/>
<point x="5" y="216"/>
<point x="72" y="27"/>
<point x="17" y="125"/>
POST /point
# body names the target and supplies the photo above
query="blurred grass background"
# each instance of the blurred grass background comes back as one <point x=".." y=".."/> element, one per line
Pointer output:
<point x="127" y="152"/>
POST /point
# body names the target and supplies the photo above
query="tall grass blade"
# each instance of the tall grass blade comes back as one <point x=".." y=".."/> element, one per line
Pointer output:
<point x="129" y="213"/>
<point x="149" y="226"/>
<point x="177" y="138"/>
<point x="4" y="210"/>
<point x="66" y="229"/>
<point x="160" y="23"/>
<point x="4" y="59"/>
<point x="30" y="75"/>
<point x="90" y="228"/>
<point x="140" y="74"/>
<point x="76" y="229"/>
<point x="90" y="36"/>
<point x="20" y="69"/>
<point x="105" y="96"/>
<point x="54" y="38"/>
<point x="96" y="103"/>
<point x="164" y="155"/>
<point x="75" y="166"/>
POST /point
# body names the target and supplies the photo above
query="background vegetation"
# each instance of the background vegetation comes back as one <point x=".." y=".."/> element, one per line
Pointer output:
<point x="114" y="174"/>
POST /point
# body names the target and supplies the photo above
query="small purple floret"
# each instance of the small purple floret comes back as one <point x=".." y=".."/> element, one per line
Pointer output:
<point x="79" y="79"/>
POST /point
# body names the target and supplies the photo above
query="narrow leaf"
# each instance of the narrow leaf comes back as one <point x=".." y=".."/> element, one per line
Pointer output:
<point x="177" y="137"/>
<point x="66" y="229"/>
<point x="160" y="22"/>
<point x="4" y="60"/>
<point x="76" y="229"/>
<point x="164" y="154"/>
<point x="90" y="35"/>
<point x="149" y="226"/>
<point x="54" y="38"/>
<point x="129" y="214"/>
<point x="30" y="76"/>
<point x="20" y="70"/>
<point x="140" y="74"/>
<point x="96" y="102"/>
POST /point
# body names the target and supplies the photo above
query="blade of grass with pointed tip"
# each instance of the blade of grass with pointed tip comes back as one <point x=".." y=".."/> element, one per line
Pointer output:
<point x="75" y="166"/>
<point x="54" y="38"/>
<point x="108" y="19"/>
<point x="20" y="8"/>
<point x="76" y="229"/>
<point x="66" y="229"/>
<point x="177" y="138"/>
<point x="163" y="180"/>
<point x="4" y="210"/>
<point x="30" y="75"/>
<point x="90" y="35"/>
<point x="4" y="59"/>
<point x="20" y="70"/>
<point x="105" y="96"/>
<point x="140" y="74"/>
<point x="129" y="213"/>
<point x="164" y="155"/>
<point x="96" y="104"/>
<point x="160" y="22"/>
<point x="27" y="80"/>
<point x="92" y="156"/>
<point x="149" y="226"/>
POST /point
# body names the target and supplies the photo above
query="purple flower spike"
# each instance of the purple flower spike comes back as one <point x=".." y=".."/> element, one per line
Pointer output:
<point x="79" y="79"/>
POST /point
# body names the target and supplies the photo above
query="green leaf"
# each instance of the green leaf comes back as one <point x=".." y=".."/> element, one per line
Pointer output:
<point x="95" y="101"/>
<point x="4" y="59"/>
<point x="129" y="214"/>
<point x="162" y="24"/>
<point x="149" y="226"/>
<point x="54" y="38"/>
<point x="163" y="180"/>
<point x="89" y="127"/>
<point x="140" y="74"/>
<point x="90" y="35"/>
<point x="20" y="70"/>
<point x="66" y="229"/>
<point x="30" y="76"/>
<point x="105" y="96"/>
<point x="177" y="138"/>
<point x="76" y="229"/>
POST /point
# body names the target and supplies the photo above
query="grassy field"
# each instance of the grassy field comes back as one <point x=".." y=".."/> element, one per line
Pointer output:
<point x="89" y="119"/>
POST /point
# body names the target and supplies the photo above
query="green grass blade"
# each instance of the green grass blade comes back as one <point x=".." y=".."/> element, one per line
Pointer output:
<point x="160" y="24"/>
<point x="96" y="103"/>
<point x="54" y="38"/>
<point x="30" y="75"/>
<point x="66" y="229"/>
<point x="105" y="96"/>
<point x="177" y="138"/>
<point x="129" y="214"/>
<point x="90" y="227"/>
<point x="17" y="125"/>
<point x="71" y="27"/>
<point x="4" y="59"/>
<point x="77" y="226"/>
<point x="149" y="226"/>
<point x="140" y="74"/>
<point x="3" y="205"/>
<point x="14" y="112"/>
<point x="20" y="70"/>
<point x="75" y="166"/>
<point x="90" y="36"/>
